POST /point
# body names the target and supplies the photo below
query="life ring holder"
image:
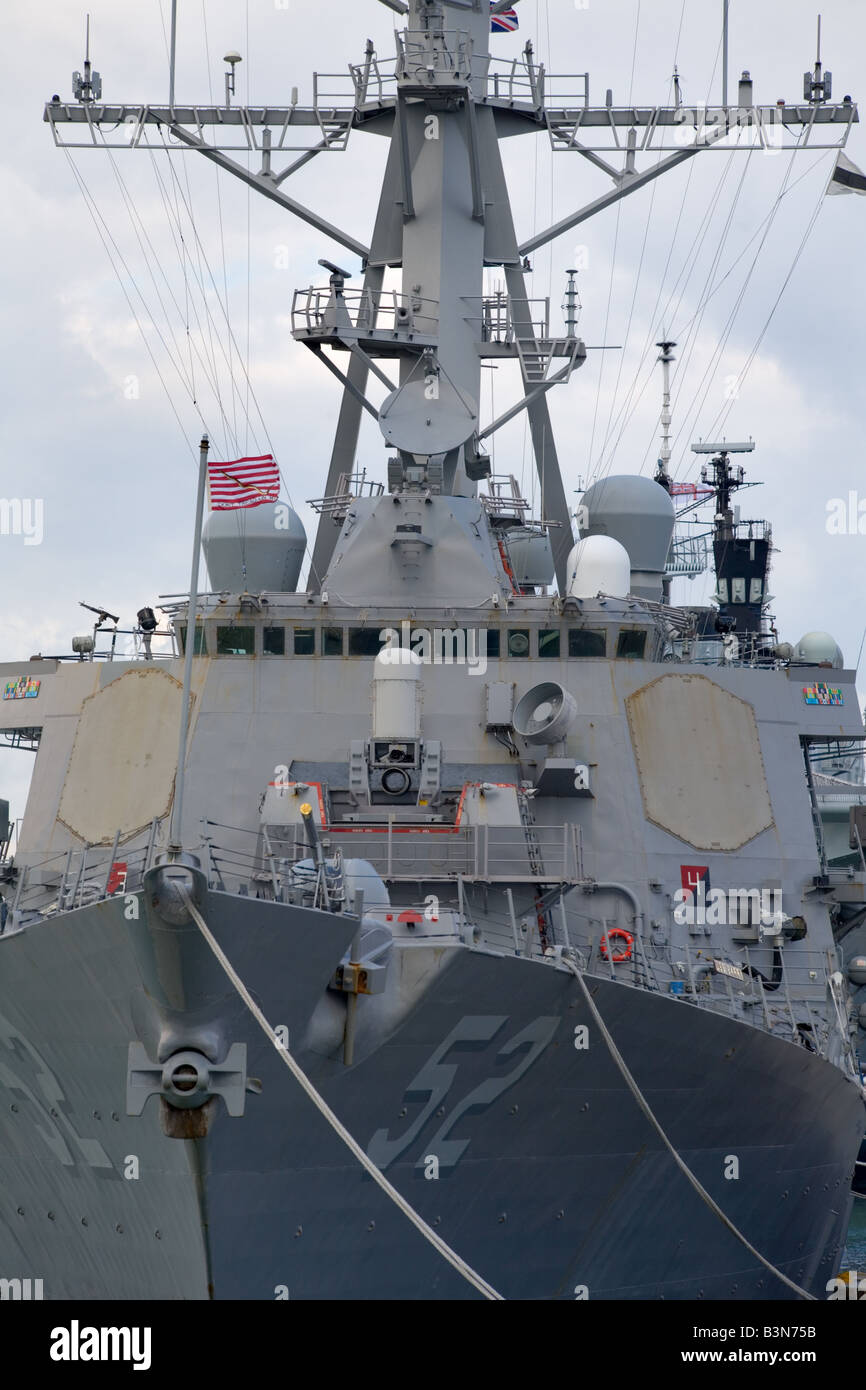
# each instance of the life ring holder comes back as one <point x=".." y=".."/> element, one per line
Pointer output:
<point x="621" y="935"/>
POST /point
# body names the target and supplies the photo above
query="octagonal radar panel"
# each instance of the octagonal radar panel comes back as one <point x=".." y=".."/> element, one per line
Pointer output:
<point x="417" y="422"/>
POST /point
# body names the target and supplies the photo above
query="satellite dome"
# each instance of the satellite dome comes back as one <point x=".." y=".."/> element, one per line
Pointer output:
<point x="819" y="649"/>
<point x="638" y="513"/>
<point x="255" y="550"/>
<point x="598" y="565"/>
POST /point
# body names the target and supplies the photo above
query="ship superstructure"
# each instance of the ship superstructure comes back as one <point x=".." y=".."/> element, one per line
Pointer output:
<point x="472" y="820"/>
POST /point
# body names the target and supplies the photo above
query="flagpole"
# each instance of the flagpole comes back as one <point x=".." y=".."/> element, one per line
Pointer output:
<point x="725" y="26"/>
<point x="172" y="56"/>
<point x="175" y="829"/>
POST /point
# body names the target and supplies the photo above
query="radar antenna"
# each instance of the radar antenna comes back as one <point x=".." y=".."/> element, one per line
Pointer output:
<point x="741" y="549"/>
<point x="444" y="214"/>
<point x="663" y="475"/>
<point x="87" y="86"/>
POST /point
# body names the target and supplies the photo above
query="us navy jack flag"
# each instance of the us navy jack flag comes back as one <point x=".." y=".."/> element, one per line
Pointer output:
<point x="246" y="482"/>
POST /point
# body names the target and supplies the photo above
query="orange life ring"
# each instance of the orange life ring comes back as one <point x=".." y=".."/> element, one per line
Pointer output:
<point x="622" y="935"/>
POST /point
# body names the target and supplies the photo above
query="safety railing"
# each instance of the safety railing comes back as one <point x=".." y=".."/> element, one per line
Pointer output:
<point x="431" y="59"/>
<point x="65" y="880"/>
<point x="350" y="486"/>
<point x="516" y="82"/>
<point x="493" y="318"/>
<point x="688" y="556"/>
<point x="475" y="853"/>
<point x="141" y="649"/>
<point x="791" y="992"/>
<point x="317" y="312"/>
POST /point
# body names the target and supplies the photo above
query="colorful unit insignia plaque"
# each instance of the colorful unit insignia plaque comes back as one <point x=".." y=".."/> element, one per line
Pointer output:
<point x="27" y="688"/>
<point x="822" y="695"/>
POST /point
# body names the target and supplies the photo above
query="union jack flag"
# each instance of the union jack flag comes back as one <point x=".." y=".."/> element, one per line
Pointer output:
<point x="504" y="23"/>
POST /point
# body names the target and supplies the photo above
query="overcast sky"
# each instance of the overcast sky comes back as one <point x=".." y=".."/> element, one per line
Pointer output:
<point x="87" y="426"/>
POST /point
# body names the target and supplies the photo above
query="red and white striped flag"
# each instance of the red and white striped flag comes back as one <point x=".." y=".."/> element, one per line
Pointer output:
<point x="243" y="483"/>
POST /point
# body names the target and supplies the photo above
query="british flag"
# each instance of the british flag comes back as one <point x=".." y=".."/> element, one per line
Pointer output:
<point x="505" y="22"/>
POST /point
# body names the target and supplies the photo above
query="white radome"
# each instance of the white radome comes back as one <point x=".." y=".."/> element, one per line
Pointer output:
<point x="598" y="565"/>
<point x="397" y="694"/>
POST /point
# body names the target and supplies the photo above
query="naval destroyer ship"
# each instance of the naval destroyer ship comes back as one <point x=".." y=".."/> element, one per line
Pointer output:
<point x="462" y="923"/>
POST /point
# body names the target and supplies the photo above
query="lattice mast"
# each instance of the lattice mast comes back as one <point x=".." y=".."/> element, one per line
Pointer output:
<point x="444" y="213"/>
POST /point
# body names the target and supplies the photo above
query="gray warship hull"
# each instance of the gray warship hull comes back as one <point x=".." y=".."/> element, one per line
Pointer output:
<point x="475" y="792"/>
<point x="550" y="1181"/>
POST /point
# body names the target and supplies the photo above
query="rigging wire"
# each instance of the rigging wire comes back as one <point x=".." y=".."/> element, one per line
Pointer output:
<point x="140" y="232"/>
<point x="722" y="417"/>
<point x="199" y="274"/>
<point x="531" y="286"/>
<point x="689" y="338"/>
<point x="249" y="239"/>
<point x="117" y="259"/>
<point x="757" y="232"/>
<point x="233" y="341"/>
<point x="650" y="1116"/>
<point x="233" y="346"/>
<point x="693" y="333"/>
<point x="219" y="209"/>
<point x="182" y="255"/>
<point x="707" y="379"/>
<point x="143" y="236"/>
<point x="167" y="47"/>
<point x="105" y="237"/>
<point x="438" y="1244"/>
<point x="679" y="33"/>
<point x="212" y="369"/>
<point x="601" y="471"/>
<point x="625" y="412"/>
<point x="610" y="427"/>
<point x="681" y="330"/>
<point x="613" y="261"/>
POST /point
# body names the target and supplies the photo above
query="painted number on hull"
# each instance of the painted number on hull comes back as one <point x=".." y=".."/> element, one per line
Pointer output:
<point x="436" y="1078"/>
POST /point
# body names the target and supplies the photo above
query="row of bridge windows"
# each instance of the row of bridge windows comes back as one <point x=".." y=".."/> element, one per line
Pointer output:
<point x="288" y="639"/>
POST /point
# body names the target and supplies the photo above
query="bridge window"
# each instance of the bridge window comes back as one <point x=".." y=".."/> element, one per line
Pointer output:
<point x="274" y="641"/>
<point x="236" y="641"/>
<point x="332" y="641"/>
<point x="631" y="644"/>
<point x="305" y="641"/>
<point x="518" y="641"/>
<point x="365" y="641"/>
<point x="582" y="642"/>
<point x="200" y="648"/>
<point x="548" y="641"/>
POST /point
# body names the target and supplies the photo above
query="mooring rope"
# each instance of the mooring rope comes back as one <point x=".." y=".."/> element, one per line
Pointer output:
<point x="325" y="1110"/>
<point x="681" y="1164"/>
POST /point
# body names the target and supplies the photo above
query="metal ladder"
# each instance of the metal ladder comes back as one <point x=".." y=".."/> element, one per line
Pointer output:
<point x="536" y="864"/>
<point x="535" y="355"/>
